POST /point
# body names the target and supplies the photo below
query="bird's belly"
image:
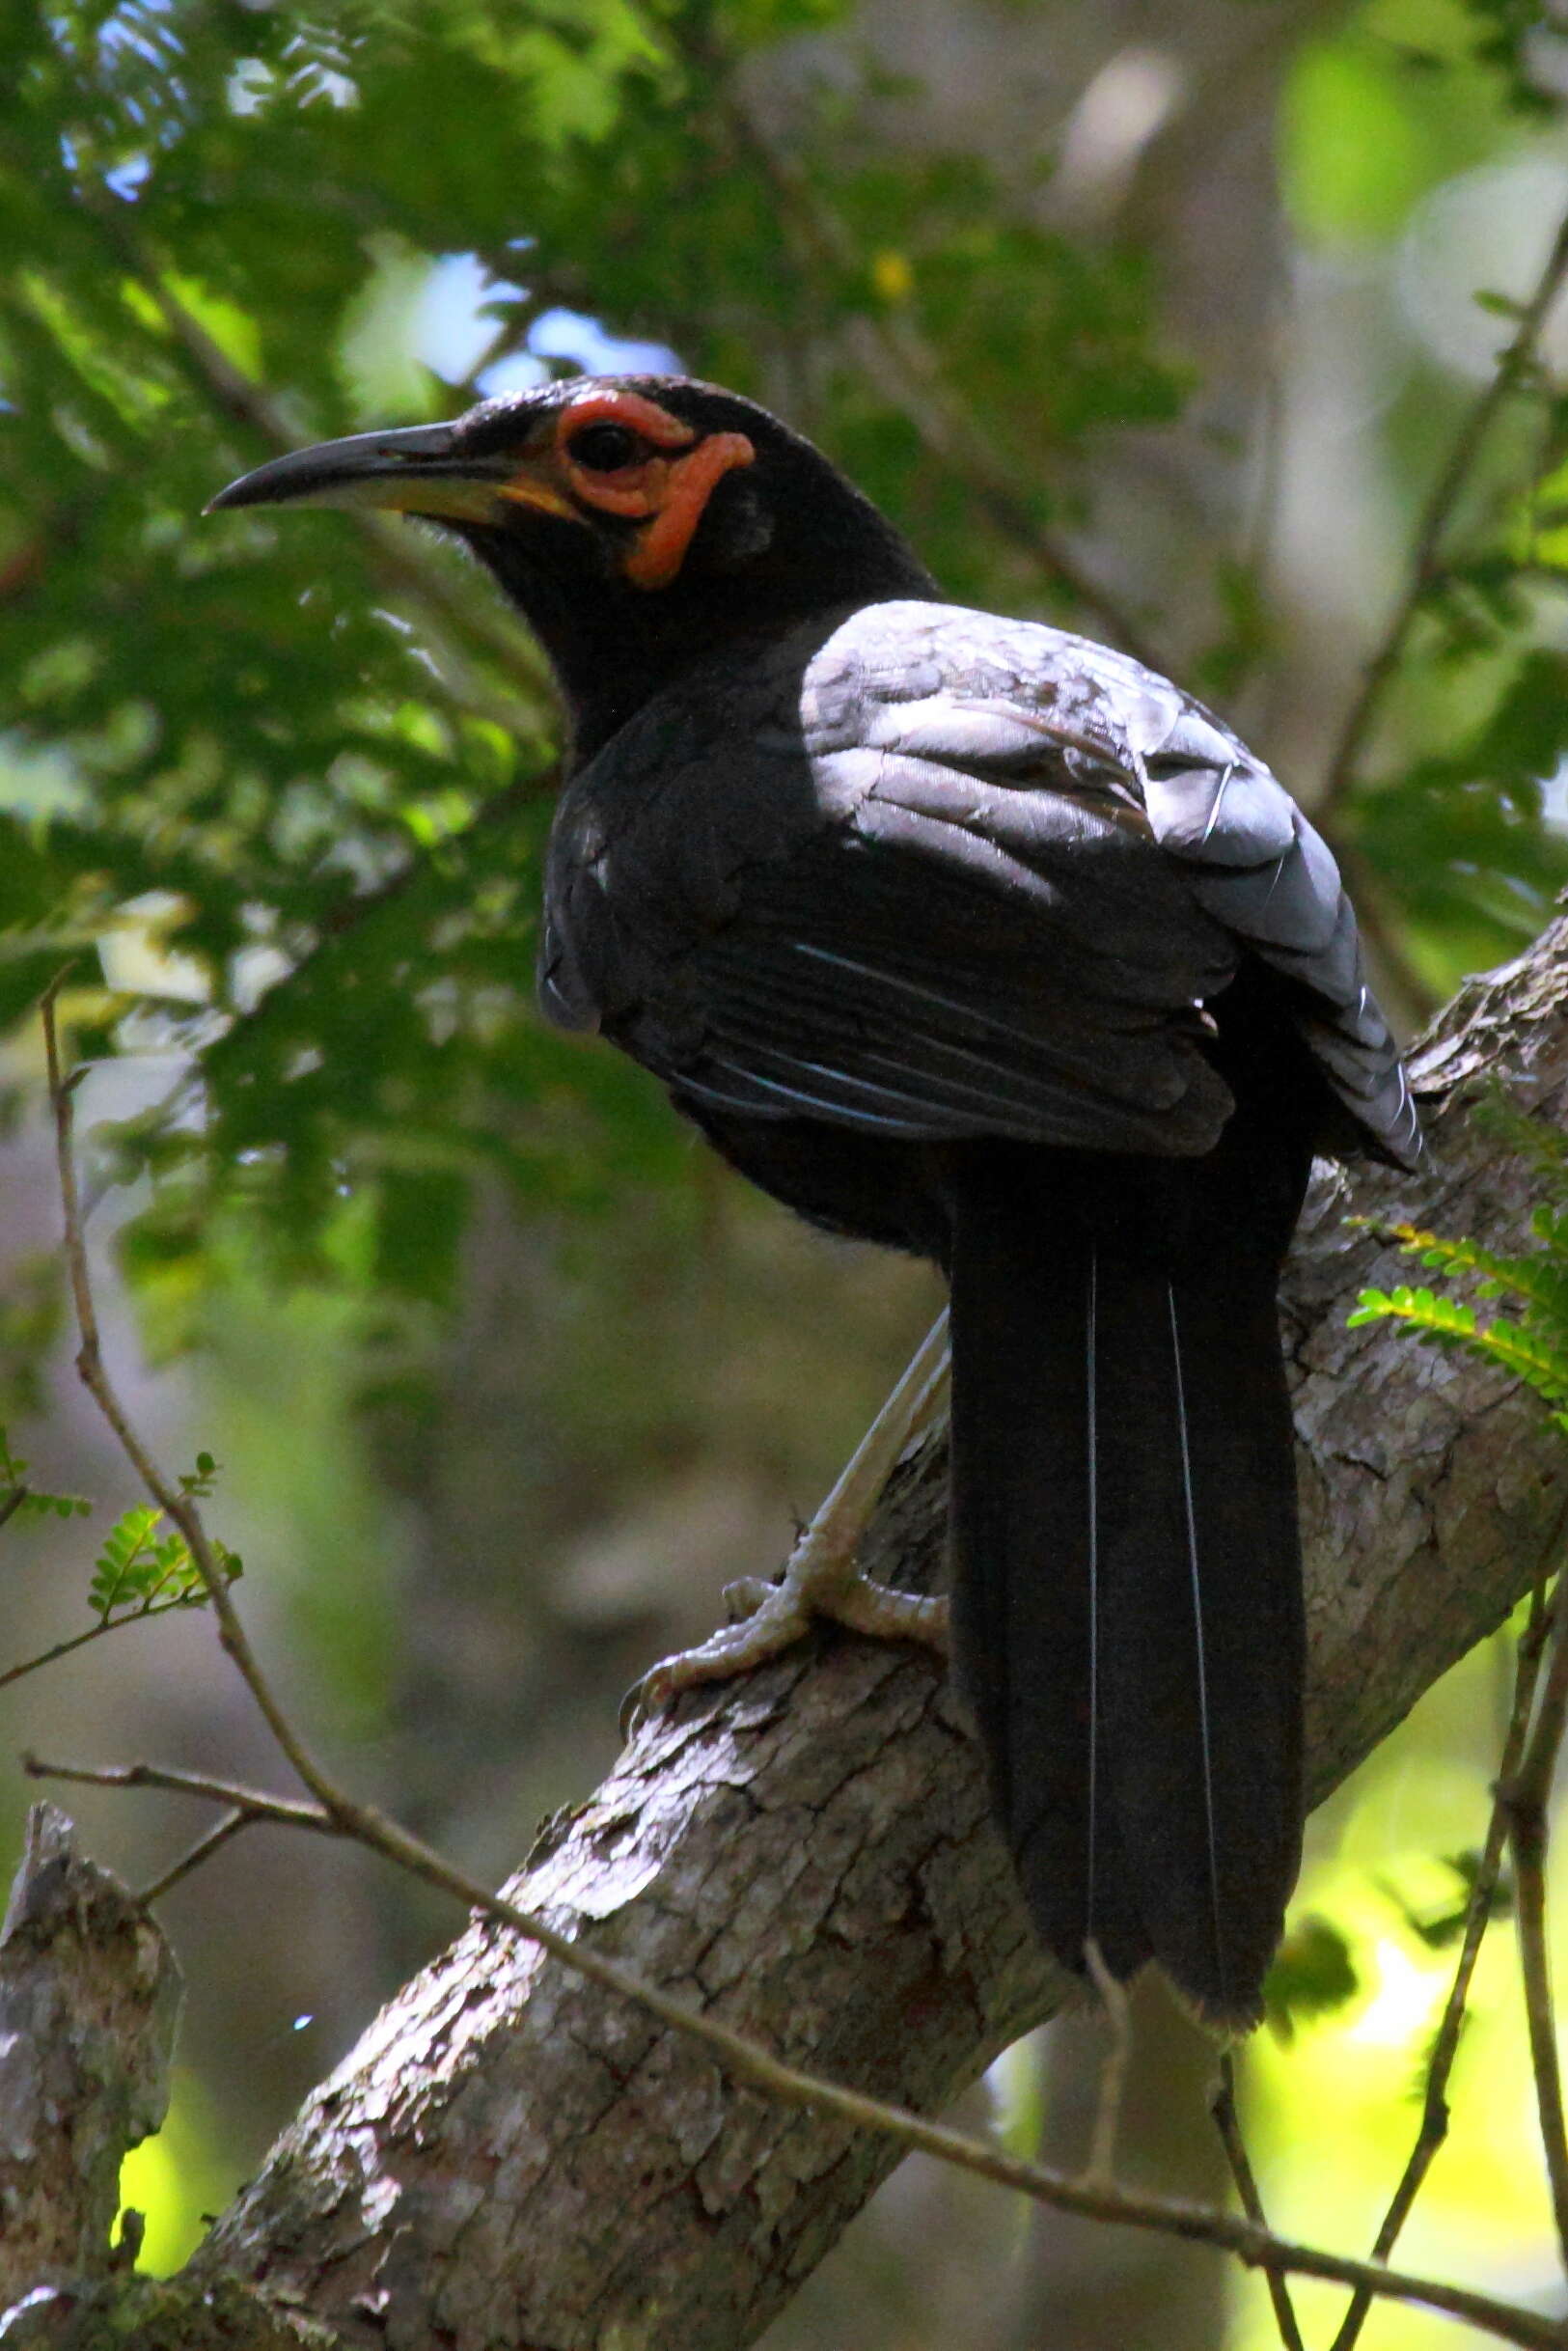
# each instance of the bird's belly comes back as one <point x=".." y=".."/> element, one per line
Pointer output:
<point x="887" y="1189"/>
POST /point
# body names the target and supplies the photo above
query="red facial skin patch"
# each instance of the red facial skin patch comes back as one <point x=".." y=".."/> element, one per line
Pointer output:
<point x="672" y="490"/>
<point x="628" y="408"/>
<point x="660" y="548"/>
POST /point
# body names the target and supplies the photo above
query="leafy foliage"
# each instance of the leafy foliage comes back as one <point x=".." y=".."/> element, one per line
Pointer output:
<point x="1532" y="1343"/>
<point x="277" y="791"/>
<point x="1441" y="1930"/>
<point x="1314" y="1974"/>
<point x="283" y="796"/>
<point x="1511" y="35"/>
<point x="144" y="1566"/>
<point x="142" y="1570"/>
<point x="1463" y="830"/>
<point x="16" y="1495"/>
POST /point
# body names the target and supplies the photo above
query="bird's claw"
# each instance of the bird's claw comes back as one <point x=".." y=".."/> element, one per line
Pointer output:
<point x="768" y="1617"/>
<point x="747" y="1597"/>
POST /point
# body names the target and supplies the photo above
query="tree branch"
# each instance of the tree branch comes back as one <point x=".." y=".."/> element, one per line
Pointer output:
<point x="93" y="1632"/>
<point x="1228" y="2122"/>
<point x="513" y="2156"/>
<point x="89" y="1995"/>
<point x="1525" y="1799"/>
<point x="1426" y="557"/>
<point x="743" y="2056"/>
<point x="1434" y="2123"/>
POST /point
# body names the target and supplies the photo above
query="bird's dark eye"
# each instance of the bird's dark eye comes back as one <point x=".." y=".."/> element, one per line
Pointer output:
<point x="605" y="449"/>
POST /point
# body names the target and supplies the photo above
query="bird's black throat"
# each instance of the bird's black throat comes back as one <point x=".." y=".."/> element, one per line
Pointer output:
<point x="755" y="569"/>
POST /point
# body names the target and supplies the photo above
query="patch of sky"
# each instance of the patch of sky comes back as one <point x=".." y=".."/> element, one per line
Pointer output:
<point x="126" y="178"/>
<point x="569" y="334"/>
<point x="250" y="86"/>
<point x="453" y="331"/>
<point x="1488" y="228"/>
<point x="135" y="34"/>
<point x="127" y="28"/>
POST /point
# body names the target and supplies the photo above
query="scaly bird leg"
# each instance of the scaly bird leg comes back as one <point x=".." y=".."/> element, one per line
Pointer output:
<point x="822" y="1578"/>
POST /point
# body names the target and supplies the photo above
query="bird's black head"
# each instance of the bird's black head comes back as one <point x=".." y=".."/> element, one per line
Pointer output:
<point x="641" y="522"/>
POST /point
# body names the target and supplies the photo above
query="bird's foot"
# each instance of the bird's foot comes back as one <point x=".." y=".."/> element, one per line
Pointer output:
<point x="822" y="1578"/>
<point x="768" y="1617"/>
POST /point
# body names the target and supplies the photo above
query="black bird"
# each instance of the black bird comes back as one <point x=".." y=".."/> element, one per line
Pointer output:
<point x="970" y="937"/>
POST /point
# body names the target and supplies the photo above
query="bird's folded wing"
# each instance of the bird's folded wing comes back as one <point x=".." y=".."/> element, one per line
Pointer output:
<point x="1249" y="856"/>
<point x="974" y="888"/>
<point x="926" y="956"/>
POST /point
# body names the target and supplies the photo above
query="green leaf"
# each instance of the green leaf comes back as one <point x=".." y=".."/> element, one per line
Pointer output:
<point x="1313" y="1975"/>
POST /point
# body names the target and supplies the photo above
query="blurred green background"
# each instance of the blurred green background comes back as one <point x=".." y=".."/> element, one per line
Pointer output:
<point x="1157" y="321"/>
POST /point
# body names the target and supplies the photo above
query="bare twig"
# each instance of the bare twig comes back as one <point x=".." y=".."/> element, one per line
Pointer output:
<point x="1426" y="562"/>
<point x="1433" y="2122"/>
<point x="1525" y="1798"/>
<point x="247" y="1808"/>
<point x="212" y="1841"/>
<point x="93" y="1632"/>
<point x="1263" y="518"/>
<point x="1102" y="2153"/>
<point x="8" y="1509"/>
<point x="254" y="1803"/>
<point x="334" y="1812"/>
<point x="1228" y="2122"/>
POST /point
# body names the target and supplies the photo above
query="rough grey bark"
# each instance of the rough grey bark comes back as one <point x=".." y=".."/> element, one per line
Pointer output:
<point x="511" y="2159"/>
<point x="89" y="1998"/>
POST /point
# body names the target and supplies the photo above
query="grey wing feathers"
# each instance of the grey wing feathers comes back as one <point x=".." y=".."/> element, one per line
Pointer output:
<point x="1249" y="857"/>
<point x="918" y="886"/>
<point x="1256" y="865"/>
<point x="913" y="1035"/>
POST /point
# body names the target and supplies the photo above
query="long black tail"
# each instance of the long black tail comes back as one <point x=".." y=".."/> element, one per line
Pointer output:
<point x="1127" y="1614"/>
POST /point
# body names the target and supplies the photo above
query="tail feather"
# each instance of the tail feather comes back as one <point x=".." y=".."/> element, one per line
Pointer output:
<point x="1127" y="1612"/>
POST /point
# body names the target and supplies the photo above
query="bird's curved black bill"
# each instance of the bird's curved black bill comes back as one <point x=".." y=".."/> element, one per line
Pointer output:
<point x="417" y="469"/>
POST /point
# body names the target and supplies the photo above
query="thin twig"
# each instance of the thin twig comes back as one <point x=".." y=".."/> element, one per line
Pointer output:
<point x="194" y="1855"/>
<point x="335" y="1810"/>
<point x="248" y="1807"/>
<point x="9" y="1509"/>
<point x="1263" y="521"/>
<point x="1228" y="2122"/>
<point x="1102" y="2153"/>
<point x="93" y="1632"/>
<point x="1525" y="1799"/>
<point x="255" y="1803"/>
<point x="1426" y="561"/>
<point x="1433" y="2122"/>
